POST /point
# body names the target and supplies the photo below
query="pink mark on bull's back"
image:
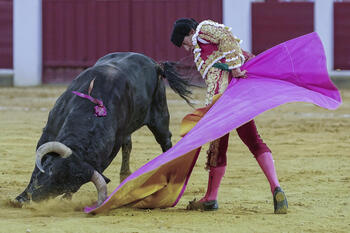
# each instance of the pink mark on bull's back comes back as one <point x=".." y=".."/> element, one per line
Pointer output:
<point x="100" y="109"/>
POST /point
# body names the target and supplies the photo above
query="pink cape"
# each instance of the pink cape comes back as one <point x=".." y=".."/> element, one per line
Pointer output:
<point x="290" y="72"/>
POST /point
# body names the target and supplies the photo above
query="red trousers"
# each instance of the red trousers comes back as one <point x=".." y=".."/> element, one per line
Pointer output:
<point x="251" y="138"/>
<point x="247" y="132"/>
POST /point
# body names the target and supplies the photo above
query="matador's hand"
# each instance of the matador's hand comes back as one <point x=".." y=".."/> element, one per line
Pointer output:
<point x="238" y="73"/>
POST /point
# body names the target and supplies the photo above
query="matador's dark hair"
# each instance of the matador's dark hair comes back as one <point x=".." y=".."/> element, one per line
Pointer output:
<point x="182" y="28"/>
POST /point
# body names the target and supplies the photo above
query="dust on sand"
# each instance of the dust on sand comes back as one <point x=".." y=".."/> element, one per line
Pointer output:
<point x="310" y="146"/>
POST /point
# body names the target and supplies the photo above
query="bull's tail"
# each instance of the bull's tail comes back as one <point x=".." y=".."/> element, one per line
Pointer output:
<point x="176" y="81"/>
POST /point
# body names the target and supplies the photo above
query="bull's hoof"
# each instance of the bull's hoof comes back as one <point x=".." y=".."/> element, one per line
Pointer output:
<point x="205" y="205"/>
<point x="123" y="176"/>
<point x="16" y="203"/>
<point x="280" y="201"/>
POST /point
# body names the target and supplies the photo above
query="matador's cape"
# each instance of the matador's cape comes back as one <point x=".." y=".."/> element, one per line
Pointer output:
<point x="290" y="72"/>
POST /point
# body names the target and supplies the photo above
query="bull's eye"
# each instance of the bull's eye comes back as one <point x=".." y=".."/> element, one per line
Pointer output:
<point x="80" y="179"/>
<point x="62" y="176"/>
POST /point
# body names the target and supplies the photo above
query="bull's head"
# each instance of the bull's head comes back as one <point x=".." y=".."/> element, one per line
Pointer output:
<point x="64" y="174"/>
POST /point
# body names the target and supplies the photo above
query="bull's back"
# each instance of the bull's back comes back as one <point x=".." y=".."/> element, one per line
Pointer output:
<point x="125" y="82"/>
<point x="137" y="68"/>
<point x="120" y="76"/>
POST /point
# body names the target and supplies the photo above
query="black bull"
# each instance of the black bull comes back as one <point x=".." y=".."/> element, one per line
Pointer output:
<point x="76" y="146"/>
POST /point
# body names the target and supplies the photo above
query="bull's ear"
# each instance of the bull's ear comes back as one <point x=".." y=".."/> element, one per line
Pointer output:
<point x="81" y="171"/>
<point x="88" y="171"/>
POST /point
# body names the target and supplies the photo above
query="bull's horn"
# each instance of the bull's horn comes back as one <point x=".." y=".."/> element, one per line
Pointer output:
<point x="101" y="187"/>
<point x="47" y="147"/>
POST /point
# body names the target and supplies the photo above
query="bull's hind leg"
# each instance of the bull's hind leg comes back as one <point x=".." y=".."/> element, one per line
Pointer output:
<point x="159" y="118"/>
<point x="125" y="167"/>
<point x="160" y="129"/>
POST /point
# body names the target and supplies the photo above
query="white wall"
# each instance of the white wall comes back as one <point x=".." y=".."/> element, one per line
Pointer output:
<point x="324" y="27"/>
<point x="27" y="46"/>
<point x="236" y="14"/>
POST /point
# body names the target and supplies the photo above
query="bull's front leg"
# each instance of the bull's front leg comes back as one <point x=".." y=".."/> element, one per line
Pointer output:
<point x="125" y="167"/>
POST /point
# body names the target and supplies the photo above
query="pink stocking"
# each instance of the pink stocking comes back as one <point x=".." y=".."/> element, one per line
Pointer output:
<point x="215" y="176"/>
<point x="266" y="163"/>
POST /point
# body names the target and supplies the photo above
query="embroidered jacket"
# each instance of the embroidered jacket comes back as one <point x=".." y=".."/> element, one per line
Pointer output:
<point x="214" y="43"/>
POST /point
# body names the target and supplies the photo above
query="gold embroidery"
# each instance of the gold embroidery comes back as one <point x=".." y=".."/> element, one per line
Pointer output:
<point x="223" y="81"/>
<point x="228" y="47"/>
<point x="211" y="81"/>
<point x="199" y="61"/>
<point x="213" y="154"/>
<point x="208" y="38"/>
<point x="216" y="79"/>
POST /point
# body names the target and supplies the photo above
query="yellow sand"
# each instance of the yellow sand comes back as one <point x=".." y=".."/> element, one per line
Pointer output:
<point x="310" y="147"/>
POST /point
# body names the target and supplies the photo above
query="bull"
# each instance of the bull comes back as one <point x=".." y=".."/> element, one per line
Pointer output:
<point x="78" y="143"/>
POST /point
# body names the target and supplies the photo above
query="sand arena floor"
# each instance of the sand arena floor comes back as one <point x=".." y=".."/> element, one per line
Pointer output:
<point x="310" y="147"/>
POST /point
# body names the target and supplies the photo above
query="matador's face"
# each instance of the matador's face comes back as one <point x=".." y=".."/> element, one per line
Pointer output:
<point x="187" y="43"/>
